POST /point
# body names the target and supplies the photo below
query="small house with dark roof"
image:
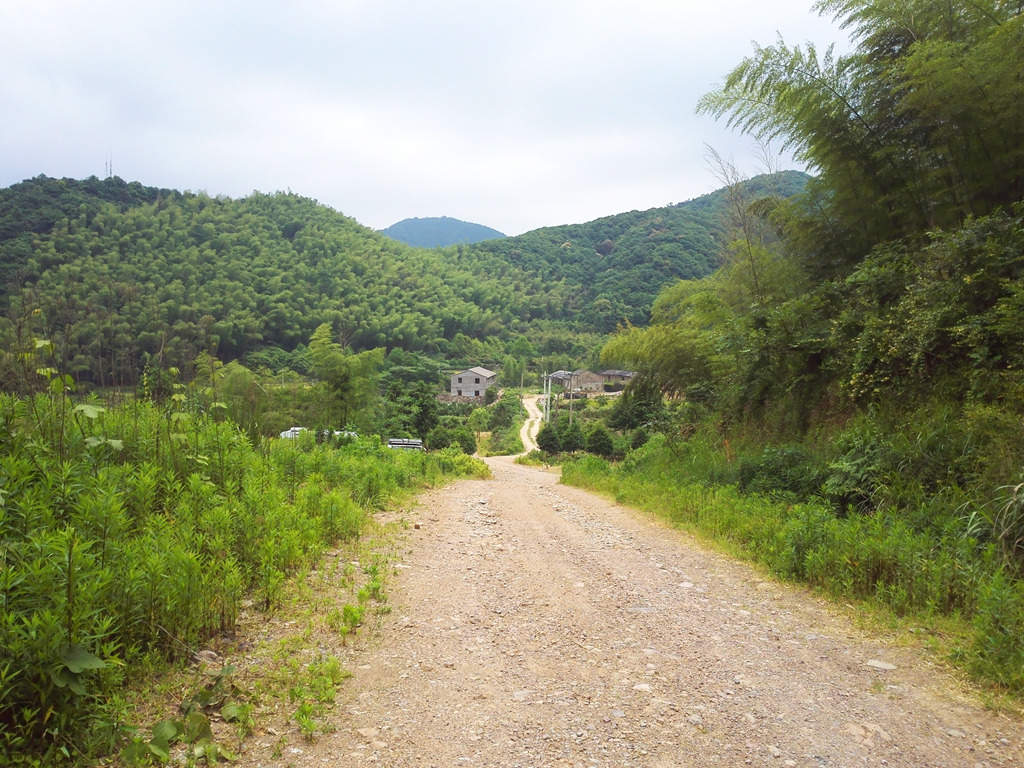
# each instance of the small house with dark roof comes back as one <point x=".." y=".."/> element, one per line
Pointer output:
<point x="623" y="376"/>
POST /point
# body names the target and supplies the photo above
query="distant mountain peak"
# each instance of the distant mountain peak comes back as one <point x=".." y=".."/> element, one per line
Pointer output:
<point x="439" y="231"/>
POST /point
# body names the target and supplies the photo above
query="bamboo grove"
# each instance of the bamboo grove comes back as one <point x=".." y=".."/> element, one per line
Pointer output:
<point x="862" y="348"/>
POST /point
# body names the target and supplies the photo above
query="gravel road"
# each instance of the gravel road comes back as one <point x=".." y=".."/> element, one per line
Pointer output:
<point x="538" y="625"/>
<point x="528" y="434"/>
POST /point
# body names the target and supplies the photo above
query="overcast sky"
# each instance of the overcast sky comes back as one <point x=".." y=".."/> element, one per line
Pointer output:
<point x="515" y="115"/>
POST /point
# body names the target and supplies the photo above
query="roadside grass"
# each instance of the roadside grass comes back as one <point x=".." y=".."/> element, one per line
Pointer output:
<point x="949" y="595"/>
<point x="507" y="419"/>
<point x="136" y="535"/>
<point x="288" y="664"/>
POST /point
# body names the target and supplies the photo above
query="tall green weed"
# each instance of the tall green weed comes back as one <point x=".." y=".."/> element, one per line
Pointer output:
<point x="136" y="532"/>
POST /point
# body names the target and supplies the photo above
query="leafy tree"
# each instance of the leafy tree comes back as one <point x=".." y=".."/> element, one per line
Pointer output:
<point x="572" y="438"/>
<point x="512" y="371"/>
<point x="548" y="439"/>
<point x="465" y="439"/>
<point x="439" y="437"/>
<point x="350" y="378"/>
<point x="479" y="420"/>
<point x="522" y="348"/>
<point x="504" y="412"/>
<point x="599" y="441"/>
<point x="640" y="404"/>
<point x="424" y="409"/>
<point x="921" y="126"/>
<point x="490" y="395"/>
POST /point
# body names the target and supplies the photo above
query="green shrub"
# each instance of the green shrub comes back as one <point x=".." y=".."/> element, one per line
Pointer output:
<point x="599" y="442"/>
<point x="787" y="469"/>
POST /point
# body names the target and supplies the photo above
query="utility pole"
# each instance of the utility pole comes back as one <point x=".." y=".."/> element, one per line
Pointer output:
<point x="547" y="398"/>
<point x="570" y="399"/>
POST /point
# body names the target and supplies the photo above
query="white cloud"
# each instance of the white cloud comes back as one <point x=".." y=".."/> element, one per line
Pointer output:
<point x="514" y="115"/>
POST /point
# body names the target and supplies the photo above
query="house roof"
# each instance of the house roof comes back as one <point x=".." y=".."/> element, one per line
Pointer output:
<point x="478" y="371"/>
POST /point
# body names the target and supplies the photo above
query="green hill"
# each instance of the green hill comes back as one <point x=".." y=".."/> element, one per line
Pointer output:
<point x="618" y="264"/>
<point x="438" y="232"/>
<point x="118" y="274"/>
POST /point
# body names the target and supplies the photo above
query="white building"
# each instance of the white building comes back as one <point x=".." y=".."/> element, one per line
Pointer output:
<point x="472" y="382"/>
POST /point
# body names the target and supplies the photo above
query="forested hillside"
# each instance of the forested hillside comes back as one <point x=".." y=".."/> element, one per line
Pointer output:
<point x="190" y="273"/>
<point x="619" y="263"/>
<point x="34" y="206"/>
<point x="119" y="275"/>
<point x="438" y="232"/>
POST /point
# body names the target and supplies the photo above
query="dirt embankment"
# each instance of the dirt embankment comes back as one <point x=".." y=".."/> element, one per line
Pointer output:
<point x="537" y="625"/>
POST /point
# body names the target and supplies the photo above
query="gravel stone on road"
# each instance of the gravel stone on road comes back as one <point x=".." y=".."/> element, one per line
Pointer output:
<point x="535" y="624"/>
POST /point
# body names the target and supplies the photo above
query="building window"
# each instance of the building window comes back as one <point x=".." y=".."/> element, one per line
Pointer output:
<point x="476" y="393"/>
<point x="460" y="379"/>
<point x="459" y="391"/>
<point x="476" y="380"/>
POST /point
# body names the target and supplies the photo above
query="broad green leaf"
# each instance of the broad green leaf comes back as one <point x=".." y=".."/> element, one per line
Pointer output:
<point x="65" y="678"/>
<point x="213" y="752"/>
<point x="161" y="748"/>
<point x="168" y="730"/>
<point x="90" y="411"/>
<point x="77" y="659"/>
<point x="231" y="712"/>
<point x="197" y="727"/>
<point x="137" y="751"/>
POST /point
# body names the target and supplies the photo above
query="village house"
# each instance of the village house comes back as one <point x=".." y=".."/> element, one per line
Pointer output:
<point x="578" y="381"/>
<point x="560" y="378"/>
<point x="472" y="382"/>
<point x="587" y="381"/>
<point x="623" y="377"/>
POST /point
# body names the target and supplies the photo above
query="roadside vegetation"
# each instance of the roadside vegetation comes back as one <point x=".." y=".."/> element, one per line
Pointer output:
<point x="134" y="533"/>
<point x="843" y="398"/>
<point x="505" y="419"/>
<point x="830" y="380"/>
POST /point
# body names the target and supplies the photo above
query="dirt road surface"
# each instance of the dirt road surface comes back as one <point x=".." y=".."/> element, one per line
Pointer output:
<point x="528" y="434"/>
<point x="537" y="625"/>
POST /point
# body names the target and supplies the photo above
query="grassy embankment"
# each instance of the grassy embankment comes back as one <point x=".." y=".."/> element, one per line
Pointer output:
<point x="937" y="565"/>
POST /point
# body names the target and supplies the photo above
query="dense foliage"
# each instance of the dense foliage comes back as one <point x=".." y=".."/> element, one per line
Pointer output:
<point x="617" y="264"/>
<point x="121" y="276"/>
<point x="858" y="358"/>
<point x="35" y="206"/>
<point x="918" y="128"/>
<point x="189" y="274"/>
<point x="133" y="534"/>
